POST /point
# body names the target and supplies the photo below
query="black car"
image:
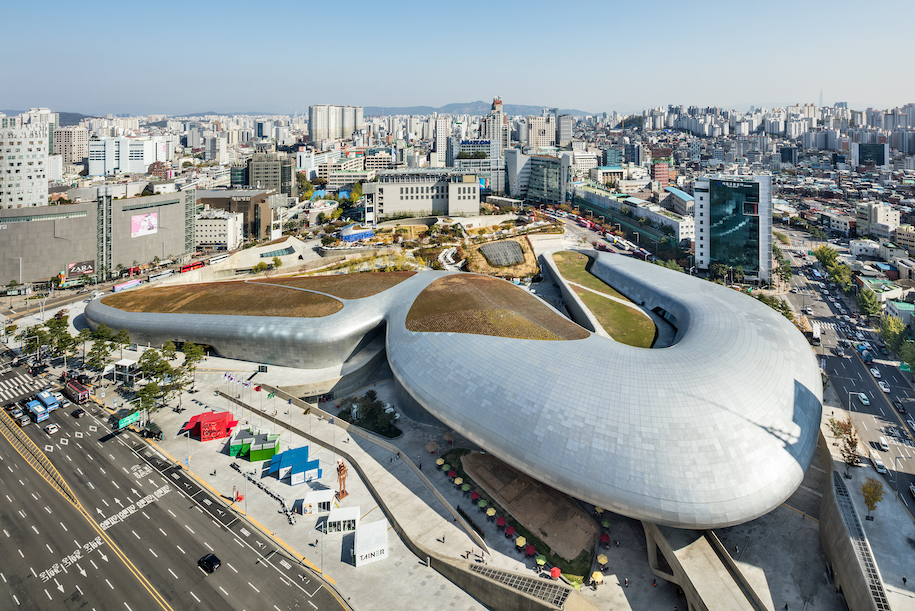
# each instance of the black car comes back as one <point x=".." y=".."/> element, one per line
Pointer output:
<point x="899" y="407"/>
<point x="209" y="563"/>
<point x="78" y="412"/>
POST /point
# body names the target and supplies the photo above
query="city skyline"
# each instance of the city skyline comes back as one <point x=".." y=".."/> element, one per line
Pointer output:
<point x="719" y="55"/>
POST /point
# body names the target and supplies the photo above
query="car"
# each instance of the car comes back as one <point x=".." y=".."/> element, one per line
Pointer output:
<point x="58" y="396"/>
<point x="16" y="413"/>
<point x="209" y="563"/>
<point x="832" y="299"/>
<point x="24" y="421"/>
<point x="78" y="412"/>
<point x="840" y="352"/>
<point x="794" y="289"/>
<point x="51" y="428"/>
<point x="884" y="351"/>
<point x="899" y="407"/>
<point x="884" y="386"/>
<point x="875" y="372"/>
<point x="863" y="399"/>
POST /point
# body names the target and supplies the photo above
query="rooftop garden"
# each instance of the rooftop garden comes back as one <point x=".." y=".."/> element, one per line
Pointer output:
<point x="481" y="305"/>
<point x="625" y="324"/>
<point x="233" y="298"/>
<point x="346" y="286"/>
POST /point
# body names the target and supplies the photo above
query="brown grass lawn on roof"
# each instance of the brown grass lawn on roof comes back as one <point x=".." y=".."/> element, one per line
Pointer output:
<point x="482" y="305"/>
<point x="346" y="286"/>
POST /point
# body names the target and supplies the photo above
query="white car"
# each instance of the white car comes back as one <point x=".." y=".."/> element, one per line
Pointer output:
<point x="57" y="396"/>
<point x="863" y="399"/>
<point x="875" y="372"/>
<point x="884" y="386"/>
<point x="51" y="429"/>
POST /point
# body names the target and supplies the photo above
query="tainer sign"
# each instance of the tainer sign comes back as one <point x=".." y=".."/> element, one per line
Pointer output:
<point x="128" y="420"/>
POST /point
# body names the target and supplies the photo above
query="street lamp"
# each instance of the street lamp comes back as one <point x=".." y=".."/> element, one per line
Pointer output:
<point x="636" y="236"/>
<point x="618" y="226"/>
<point x="850" y="393"/>
<point x="322" y="542"/>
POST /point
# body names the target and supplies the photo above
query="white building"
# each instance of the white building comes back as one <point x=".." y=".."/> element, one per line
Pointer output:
<point x="217" y="150"/>
<point x="329" y="122"/>
<point x="219" y="229"/>
<point x="23" y="164"/>
<point x="422" y="192"/>
<point x="442" y="131"/>
<point x="120" y="155"/>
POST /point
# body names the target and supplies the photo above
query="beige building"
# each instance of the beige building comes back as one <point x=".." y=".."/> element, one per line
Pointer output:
<point x="904" y="236"/>
<point x="71" y="143"/>
<point x="422" y="192"/>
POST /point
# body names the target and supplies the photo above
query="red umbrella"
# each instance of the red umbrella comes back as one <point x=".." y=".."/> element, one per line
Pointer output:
<point x="509" y="531"/>
<point x="500" y="521"/>
<point x="475" y="495"/>
<point x="529" y="550"/>
<point x="555" y="572"/>
<point x="604" y="538"/>
<point x="452" y="473"/>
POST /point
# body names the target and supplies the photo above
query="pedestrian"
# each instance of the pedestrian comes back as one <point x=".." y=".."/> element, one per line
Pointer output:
<point x="654" y="582"/>
<point x="626" y="581"/>
<point x="443" y="538"/>
<point x="316" y="543"/>
<point x="786" y="606"/>
<point x="617" y="543"/>
<point x="736" y="549"/>
<point x="903" y="581"/>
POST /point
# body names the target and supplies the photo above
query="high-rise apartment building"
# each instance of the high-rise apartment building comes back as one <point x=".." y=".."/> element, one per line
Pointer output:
<point x="563" y="130"/>
<point x="23" y="163"/>
<point x="43" y="118"/>
<point x="71" y="143"/>
<point x="495" y="125"/>
<point x="660" y="173"/>
<point x="442" y="131"/>
<point x="217" y="150"/>
<point x="329" y="122"/>
<point x="733" y="217"/>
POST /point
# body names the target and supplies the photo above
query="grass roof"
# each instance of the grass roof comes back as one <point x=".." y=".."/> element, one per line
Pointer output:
<point x="482" y="305"/>
<point x="346" y="286"/>
<point x="232" y="298"/>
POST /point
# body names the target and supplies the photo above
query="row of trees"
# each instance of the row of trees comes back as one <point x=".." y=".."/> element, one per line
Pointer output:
<point x="847" y="438"/>
<point x="53" y="339"/>
<point x="839" y="273"/>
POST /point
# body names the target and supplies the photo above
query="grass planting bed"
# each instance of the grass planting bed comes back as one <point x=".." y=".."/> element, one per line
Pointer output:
<point x="469" y="303"/>
<point x="346" y="286"/>
<point x="233" y="298"/>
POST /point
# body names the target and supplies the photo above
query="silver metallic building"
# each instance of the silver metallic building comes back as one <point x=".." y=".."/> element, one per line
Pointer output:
<point x="715" y="430"/>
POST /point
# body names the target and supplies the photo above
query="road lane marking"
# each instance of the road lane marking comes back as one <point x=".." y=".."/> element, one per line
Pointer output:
<point x="106" y="503"/>
<point x="239" y="542"/>
<point x="208" y="546"/>
<point x="163" y="532"/>
<point x="255" y="588"/>
<point x="93" y="565"/>
<point x="49" y="548"/>
<point x="64" y="527"/>
<point x="195" y="597"/>
<point x="35" y="529"/>
<point x="231" y="567"/>
<point x="109" y="584"/>
<point x="135" y="534"/>
<point x="90" y="485"/>
<point x="223" y="591"/>
<point x="170" y="511"/>
<point x="152" y="552"/>
<point x="189" y="528"/>
<point x="173" y="573"/>
<point x="49" y="596"/>
<point x="21" y="513"/>
<point x="181" y="550"/>
<point x="47" y="509"/>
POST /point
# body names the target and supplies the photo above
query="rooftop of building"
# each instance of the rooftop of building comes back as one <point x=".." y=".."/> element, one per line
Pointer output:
<point x="903" y="306"/>
<point x="223" y="193"/>
<point x="681" y="194"/>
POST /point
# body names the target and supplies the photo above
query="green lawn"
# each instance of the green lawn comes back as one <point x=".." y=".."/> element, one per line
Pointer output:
<point x="623" y="323"/>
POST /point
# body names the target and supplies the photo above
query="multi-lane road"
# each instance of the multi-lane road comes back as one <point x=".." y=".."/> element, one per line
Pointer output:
<point x="135" y="541"/>
<point x="850" y="375"/>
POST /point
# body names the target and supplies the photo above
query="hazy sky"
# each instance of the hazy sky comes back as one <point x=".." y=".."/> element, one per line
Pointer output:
<point x="281" y="56"/>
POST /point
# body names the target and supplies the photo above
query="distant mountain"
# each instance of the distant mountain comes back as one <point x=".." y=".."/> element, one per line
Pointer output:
<point x="66" y="118"/>
<point x="469" y="108"/>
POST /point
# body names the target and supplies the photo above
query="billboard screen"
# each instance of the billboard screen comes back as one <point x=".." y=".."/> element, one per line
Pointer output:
<point x="78" y="269"/>
<point x="144" y="224"/>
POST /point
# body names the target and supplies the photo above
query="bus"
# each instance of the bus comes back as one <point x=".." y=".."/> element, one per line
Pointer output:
<point x="160" y="275"/>
<point x="71" y="283"/>
<point x="126" y="285"/>
<point x="78" y="393"/>
<point x="191" y="266"/>
<point x="48" y="400"/>
<point x="38" y="411"/>
<point x="816" y="273"/>
<point x="218" y="259"/>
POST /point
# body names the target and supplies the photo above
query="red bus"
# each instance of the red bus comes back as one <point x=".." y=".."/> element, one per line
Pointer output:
<point x="190" y="266"/>
<point x="78" y="393"/>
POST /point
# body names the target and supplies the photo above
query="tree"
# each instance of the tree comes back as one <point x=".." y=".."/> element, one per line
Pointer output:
<point x="872" y="489"/>
<point x="169" y="350"/>
<point x="826" y="255"/>
<point x="98" y="355"/>
<point x="84" y="335"/>
<point x="149" y="395"/>
<point x="260" y="267"/>
<point x="156" y="260"/>
<point x="739" y="274"/>
<point x="841" y="275"/>
<point x="868" y="304"/>
<point x="121" y="339"/>
<point x="626" y="211"/>
<point x="718" y="270"/>
<point x="784" y="271"/>
<point x="322" y="218"/>
<point x="356" y="194"/>
<point x="670" y="264"/>
<point x="844" y="431"/>
<point x="778" y="304"/>
<point x="121" y="269"/>
<point x="59" y="338"/>
<point x="277" y="263"/>
<point x="186" y="164"/>
<point x="33" y="338"/>
<point x="193" y="355"/>
<point x="892" y="329"/>
<point x="9" y="289"/>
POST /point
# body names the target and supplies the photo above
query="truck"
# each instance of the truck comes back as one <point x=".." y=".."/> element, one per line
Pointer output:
<point x="866" y="354"/>
<point x="814" y="334"/>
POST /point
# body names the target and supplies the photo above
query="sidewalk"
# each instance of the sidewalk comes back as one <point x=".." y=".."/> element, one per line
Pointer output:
<point x="892" y="532"/>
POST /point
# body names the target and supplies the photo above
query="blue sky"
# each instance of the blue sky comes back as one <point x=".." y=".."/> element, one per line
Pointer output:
<point x="281" y="56"/>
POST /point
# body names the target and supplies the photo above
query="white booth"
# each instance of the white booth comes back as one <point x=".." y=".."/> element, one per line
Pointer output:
<point x="342" y="519"/>
<point x="371" y="542"/>
<point x="318" y="501"/>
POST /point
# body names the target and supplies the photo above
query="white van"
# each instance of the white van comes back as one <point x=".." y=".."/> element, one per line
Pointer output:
<point x="878" y="464"/>
<point x="883" y="444"/>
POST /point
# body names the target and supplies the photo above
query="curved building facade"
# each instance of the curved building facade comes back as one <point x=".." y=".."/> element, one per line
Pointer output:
<point x="716" y="430"/>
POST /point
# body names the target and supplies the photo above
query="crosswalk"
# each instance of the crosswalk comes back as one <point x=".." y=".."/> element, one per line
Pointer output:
<point x="17" y="385"/>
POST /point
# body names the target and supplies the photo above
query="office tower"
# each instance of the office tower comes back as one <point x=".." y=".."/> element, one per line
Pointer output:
<point x="273" y="171"/>
<point x="870" y="154"/>
<point x="71" y="143"/>
<point x="564" y="130"/>
<point x="613" y="155"/>
<point x="216" y="150"/>
<point x="263" y="129"/>
<point x="541" y="131"/>
<point x="23" y="164"/>
<point x="495" y="126"/>
<point x="734" y="223"/>
<point x="660" y="173"/>
<point x="120" y="156"/>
